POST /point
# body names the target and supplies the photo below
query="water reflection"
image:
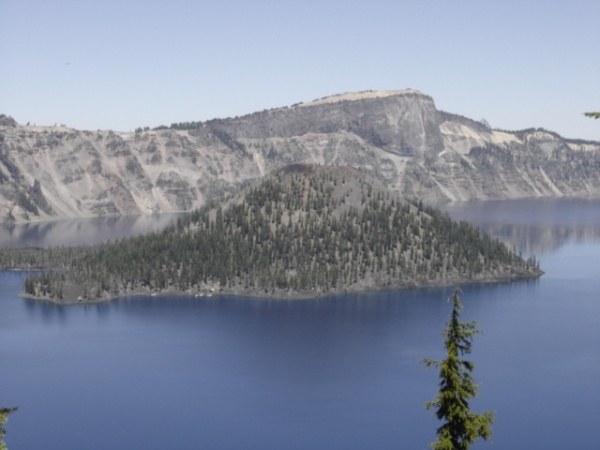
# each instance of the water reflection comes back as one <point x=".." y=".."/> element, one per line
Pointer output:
<point x="87" y="231"/>
<point x="46" y="310"/>
<point x="534" y="239"/>
<point x="533" y="226"/>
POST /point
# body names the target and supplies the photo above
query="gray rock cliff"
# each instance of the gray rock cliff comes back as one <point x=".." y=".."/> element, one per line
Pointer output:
<point x="398" y="137"/>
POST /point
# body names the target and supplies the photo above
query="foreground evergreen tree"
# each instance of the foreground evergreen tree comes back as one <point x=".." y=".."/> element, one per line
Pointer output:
<point x="4" y="412"/>
<point x="461" y="427"/>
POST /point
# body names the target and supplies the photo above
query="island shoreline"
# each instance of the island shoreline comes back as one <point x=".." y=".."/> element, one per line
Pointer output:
<point x="280" y="294"/>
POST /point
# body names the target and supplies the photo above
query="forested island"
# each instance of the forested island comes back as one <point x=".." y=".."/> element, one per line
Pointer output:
<point x="303" y="231"/>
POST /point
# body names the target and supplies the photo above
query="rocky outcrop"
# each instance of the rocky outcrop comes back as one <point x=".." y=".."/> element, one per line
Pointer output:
<point x="398" y="137"/>
<point x="403" y="123"/>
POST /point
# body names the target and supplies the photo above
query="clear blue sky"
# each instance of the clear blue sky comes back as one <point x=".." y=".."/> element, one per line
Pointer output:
<point x="120" y="64"/>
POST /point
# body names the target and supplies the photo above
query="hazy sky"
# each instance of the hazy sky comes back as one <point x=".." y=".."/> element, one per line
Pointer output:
<point x="120" y="64"/>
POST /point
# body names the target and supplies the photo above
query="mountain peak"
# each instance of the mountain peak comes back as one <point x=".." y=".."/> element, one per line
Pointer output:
<point x="361" y="95"/>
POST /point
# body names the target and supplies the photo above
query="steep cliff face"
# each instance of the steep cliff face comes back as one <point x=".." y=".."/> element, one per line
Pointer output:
<point x="398" y="137"/>
<point x="403" y="123"/>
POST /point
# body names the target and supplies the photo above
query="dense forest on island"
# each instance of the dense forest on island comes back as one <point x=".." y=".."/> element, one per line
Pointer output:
<point x="303" y="231"/>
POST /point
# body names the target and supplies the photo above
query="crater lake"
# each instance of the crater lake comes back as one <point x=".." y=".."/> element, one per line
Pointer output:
<point x="339" y="372"/>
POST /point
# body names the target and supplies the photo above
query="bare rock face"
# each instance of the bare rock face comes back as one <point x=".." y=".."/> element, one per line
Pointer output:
<point x="398" y="137"/>
<point x="404" y="123"/>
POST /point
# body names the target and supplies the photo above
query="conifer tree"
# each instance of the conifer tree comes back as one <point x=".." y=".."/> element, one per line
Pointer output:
<point x="457" y="387"/>
<point x="4" y="412"/>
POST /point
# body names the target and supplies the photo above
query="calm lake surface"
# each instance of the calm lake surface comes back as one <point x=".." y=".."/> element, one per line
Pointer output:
<point x="333" y="373"/>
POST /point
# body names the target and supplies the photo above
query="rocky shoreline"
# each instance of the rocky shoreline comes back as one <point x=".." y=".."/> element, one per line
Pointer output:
<point x="73" y="293"/>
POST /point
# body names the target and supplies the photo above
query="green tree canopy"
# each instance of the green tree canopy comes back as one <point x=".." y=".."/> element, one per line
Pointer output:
<point x="4" y="412"/>
<point x="457" y="387"/>
<point x="594" y="115"/>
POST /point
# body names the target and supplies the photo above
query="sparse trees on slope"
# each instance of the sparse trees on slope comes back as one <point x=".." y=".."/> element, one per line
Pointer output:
<point x="291" y="232"/>
<point x="461" y="427"/>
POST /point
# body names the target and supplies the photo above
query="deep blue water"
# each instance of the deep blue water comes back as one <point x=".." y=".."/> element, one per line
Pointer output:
<point x="333" y="373"/>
